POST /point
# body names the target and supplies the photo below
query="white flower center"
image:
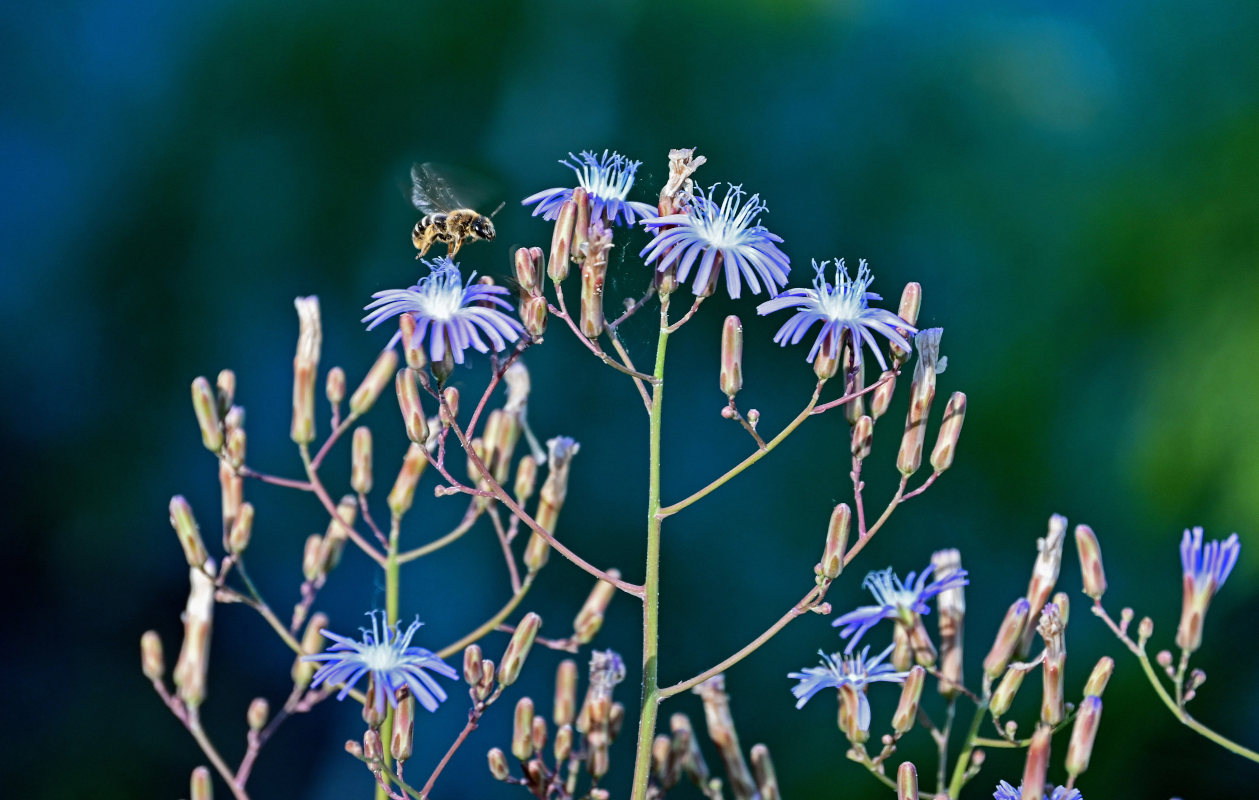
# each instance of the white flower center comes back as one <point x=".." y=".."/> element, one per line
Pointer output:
<point x="845" y="300"/>
<point x="380" y="657"/>
<point x="724" y="225"/>
<point x="889" y="591"/>
<point x="609" y="178"/>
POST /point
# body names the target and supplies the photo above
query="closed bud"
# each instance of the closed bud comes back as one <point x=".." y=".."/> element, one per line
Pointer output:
<point x="485" y="687"/>
<point x="450" y="406"/>
<point x="565" y="706"/>
<point x="235" y="418"/>
<point x="361" y="460"/>
<point x="661" y="746"/>
<point x="374" y="383"/>
<point x="403" y="492"/>
<point x="258" y="713"/>
<point x="305" y="369"/>
<point x="581" y="224"/>
<point x="881" y="397"/>
<point x="1007" y="640"/>
<point x="924" y="649"/>
<point x="522" y="730"/>
<point x="597" y="763"/>
<point x="686" y="753"/>
<point x="551" y="499"/>
<point x="312" y="558"/>
<point x="1100" y="676"/>
<point x="409" y="404"/>
<point x="518" y="649"/>
<point x="616" y="717"/>
<point x="206" y="407"/>
<point x="231" y="491"/>
<point x="911" y="694"/>
<point x="443" y="368"/>
<point x="225" y="390"/>
<point x="1145" y="629"/>
<point x="414" y="352"/>
<point x="334" y="388"/>
<point x="1083" y="733"/>
<point x="722" y="733"/>
<point x="911" y="302"/>
<point x="533" y="314"/>
<point x="563" y="743"/>
<point x="186" y="529"/>
<point x="194" y="654"/>
<point x="373" y="748"/>
<point x="836" y="542"/>
<point x="201" y="787"/>
<point x="538" y="735"/>
<point x="236" y="448"/>
<point x="312" y="643"/>
<point x="402" y="734"/>
<point x="906" y="782"/>
<point x="826" y="363"/>
<point x="526" y="272"/>
<point x="731" y="356"/>
<point x="1037" y="764"/>
<point x="1064" y="606"/>
<point x="526" y="478"/>
<point x="152" y="661"/>
<point x="1090" y="561"/>
<point x="763" y="768"/>
<point x="472" y="664"/>
<point x="374" y="716"/>
<point x="950" y="431"/>
<point x="242" y="529"/>
<point x="498" y="764"/>
<point x="593" y="274"/>
<point x="562" y="242"/>
<point x="590" y="618"/>
<point x="1006" y="690"/>
<point x="952" y="608"/>
<point x="1044" y="572"/>
<point x="862" y="437"/>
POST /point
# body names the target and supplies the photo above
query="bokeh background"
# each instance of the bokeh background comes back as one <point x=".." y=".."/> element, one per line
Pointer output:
<point x="1076" y="185"/>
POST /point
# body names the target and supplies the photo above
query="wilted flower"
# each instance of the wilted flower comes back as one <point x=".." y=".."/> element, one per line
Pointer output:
<point x="607" y="179"/>
<point x="896" y="600"/>
<point x="841" y="306"/>
<point x="387" y="655"/>
<point x="1205" y="570"/>
<point x="728" y="230"/>
<point x="448" y="312"/>
<point x="846" y="670"/>
<point x="1007" y="792"/>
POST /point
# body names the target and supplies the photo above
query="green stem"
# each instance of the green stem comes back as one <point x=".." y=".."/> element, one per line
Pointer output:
<point x="963" y="758"/>
<point x="651" y="585"/>
<point x="391" y="616"/>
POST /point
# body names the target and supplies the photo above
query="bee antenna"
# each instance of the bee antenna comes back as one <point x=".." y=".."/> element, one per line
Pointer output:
<point x="500" y="208"/>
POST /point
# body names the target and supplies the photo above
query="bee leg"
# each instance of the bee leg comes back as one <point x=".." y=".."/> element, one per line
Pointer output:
<point x="423" y="242"/>
<point x="453" y="247"/>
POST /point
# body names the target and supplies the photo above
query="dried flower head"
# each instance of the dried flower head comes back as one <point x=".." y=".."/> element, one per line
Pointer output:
<point x="387" y="655"/>
<point x="727" y="230"/>
<point x="841" y="669"/>
<point x="841" y="306"/>
<point x="607" y="178"/>
<point x="895" y="599"/>
<point x="450" y="313"/>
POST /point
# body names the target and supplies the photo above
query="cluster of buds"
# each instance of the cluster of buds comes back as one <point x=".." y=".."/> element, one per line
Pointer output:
<point x="531" y="276"/>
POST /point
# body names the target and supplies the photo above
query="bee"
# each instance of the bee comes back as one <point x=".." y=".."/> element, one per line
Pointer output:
<point x="445" y="218"/>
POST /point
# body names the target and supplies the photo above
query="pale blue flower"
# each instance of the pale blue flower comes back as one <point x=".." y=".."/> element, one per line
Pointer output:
<point x="840" y="669"/>
<point x="707" y="229"/>
<point x="1207" y="568"/>
<point x="843" y="305"/>
<point x="607" y="179"/>
<point x="388" y="657"/>
<point x="452" y="315"/>
<point x="1007" y="792"/>
<point x="895" y="600"/>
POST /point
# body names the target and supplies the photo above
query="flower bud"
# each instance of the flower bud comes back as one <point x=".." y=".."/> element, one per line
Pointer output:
<point x="449" y="411"/>
<point x="194" y="655"/>
<point x="1064" y="606"/>
<point x="374" y="382"/>
<point x="403" y="492"/>
<point x="1100" y="676"/>
<point x="721" y="732"/>
<point x="526" y="478"/>
<point x="522" y="728"/>
<point x="836" y="542"/>
<point x="950" y="431"/>
<point x="590" y="618"/>
<point x="686" y="754"/>
<point x="335" y="537"/>
<point x="258" y="713"/>
<point x="906" y="782"/>
<point x="593" y="274"/>
<point x="374" y="716"/>
<point x="186" y="529"/>
<point x="562" y="241"/>
<point x="1007" y="639"/>
<point x="565" y="706"/>
<point x="581" y="224"/>
<point x="201" y="787"/>
<point x="616" y="716"/>
<point x="498" y="764"/>
<point x="1006" y="690"/>
<point x="563" y="743"/>
<point x="206" y="407"/>
<point x="234" y="419"/>
<point x="881" y="397"/>
<point x="235" y="450"/>
<point x="312" y="558"/>
<point x="305" y="368"/>
<point x="409" y="403"/>
<point x="527" y="274"/>
<point x="1053" y="692"/>
<point x="402" y="738"/>
<point x="952" y="605"/>
<point x="231" y="490"/>
<point x="1145" y="629"/>
<point x="911" y="694"/>
<point x="921" y="392"/>
<point x="766" y="778"/>
<point x="924" y="649"/>
<point x="1083" y="734"/>
<point x="551" y="499"/>
<point x="225" y="390"/>
<point x="414" y="352"/>
<point x="1044" y="572"/>
<point x="1090" y="561"/>
<point x="731" y="378"/>
<point x="472" y="664"/>
<point x="334" y="388"/>
<point x="373" y="748"/>
<point x="1037" y="764"/>
<point x="485" y="687"/>
<point x="538" y="735"/>
<point x="242" y="529"/>
<point x="862" y="437"/>
<point x="152" y="661"/>
<point x="518" y="649"/>
<point x="850" y="714"/>
<point x="361" y="460"/>
<point x="312" y="643"/>
<point x="826" y="363"/>
<point x="911" y="302"/>
<point x="533" y="315"/>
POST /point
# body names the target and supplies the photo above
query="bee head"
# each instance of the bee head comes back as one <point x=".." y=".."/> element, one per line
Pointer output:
<point x="483" y="228"/>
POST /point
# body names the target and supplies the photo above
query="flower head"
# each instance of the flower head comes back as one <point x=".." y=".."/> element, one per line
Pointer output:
<point x="1007" y="792"/>
<point x="388" y="657"/>
<point x="841" y="306"/>
<point x="728" y="229"/>
<point x="607" y="178"/>
<point x="452" y="314"/>
<point x="1205" y="569"/>
<point x="901" y="601"/>
<point x="846" y="670"/>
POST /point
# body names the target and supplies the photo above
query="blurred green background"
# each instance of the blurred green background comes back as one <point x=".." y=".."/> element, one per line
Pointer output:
<point x="1076" y="185"/>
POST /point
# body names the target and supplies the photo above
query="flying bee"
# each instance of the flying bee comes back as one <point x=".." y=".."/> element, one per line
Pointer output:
<point x="445" y="218"/>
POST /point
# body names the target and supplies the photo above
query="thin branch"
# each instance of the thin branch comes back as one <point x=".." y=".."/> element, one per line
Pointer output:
<point x="469" y="519"/>
<point x="331" y="508"/>
<point x="492" y="623"/>
<point x="332" y="439"/>
<point x="593" y="347"/>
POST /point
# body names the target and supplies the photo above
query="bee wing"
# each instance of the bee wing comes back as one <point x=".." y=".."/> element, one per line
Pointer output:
<point x="430" y="192"/>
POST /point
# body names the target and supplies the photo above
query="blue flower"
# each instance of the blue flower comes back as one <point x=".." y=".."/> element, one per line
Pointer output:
<point x="607" y="179"/>
<point x="451" y="314"/>
<point x="1007" y="792"/>
<point x="841" y="306"/>
<point x="729" y="230"/>
<point x="839" y="670"/>
<point x="1207" y="568"/>
<point x="896" y="600"/>
<point x="389" y="658"/>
